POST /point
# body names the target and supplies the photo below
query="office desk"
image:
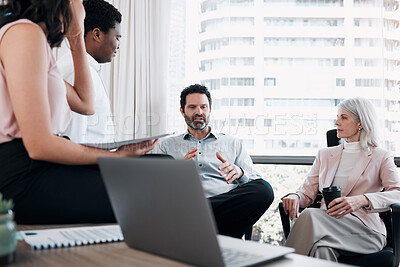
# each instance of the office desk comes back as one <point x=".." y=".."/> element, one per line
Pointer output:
<point x="119" y="255"/>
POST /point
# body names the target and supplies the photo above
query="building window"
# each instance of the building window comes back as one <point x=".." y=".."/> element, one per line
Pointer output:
<point x="242" y="122"/>
<point x="242" y="81"/>
<point x="367" y="62"/>
<point x="368" y="83"/>
<point x="269" y="81"/>
<point x="242" y="61"/>
<point x="340" y="82"/>
<point x="242" y="102"/>
<point x="242" y="2"/>
<point x="300" y="102"/>
<point x="367" y="42"/>
<point x="212" y="84"/>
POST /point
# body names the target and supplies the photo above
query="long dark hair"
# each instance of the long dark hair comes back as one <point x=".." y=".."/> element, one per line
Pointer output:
<point x="48" y="11"/>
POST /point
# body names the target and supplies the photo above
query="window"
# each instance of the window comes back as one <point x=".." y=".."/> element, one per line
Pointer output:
<point x="242" y="81"/>
<point x="299" y="22"/>
<point x="366" y="23"/>
<point x="242" y="122"/>
<point x="298" y="102"/>
<point x="367" y="42"/>
<point x="269" y="82"/>
<point x="320" y="3"/>
<point x="318" y="60"/>
<point x="368" y="83"/>
<point x="242" y="61"/>
<point x="367" y="62"/>
<point x="312" y="62"/>
<point x="212" y="84"/>
<point x="242" y="101"/>
<point x="340" y="82"/>
<point x="278" y="82"/>
<point x="304" y="42"/>
<point x="214" y="64"/>
<point x="242" y="2"/>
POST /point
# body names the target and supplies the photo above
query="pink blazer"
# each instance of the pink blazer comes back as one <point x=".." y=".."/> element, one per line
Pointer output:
<point x="374" y="171"/>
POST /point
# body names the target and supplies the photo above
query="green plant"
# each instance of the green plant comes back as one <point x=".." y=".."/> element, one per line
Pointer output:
<point x="5" y="205"/>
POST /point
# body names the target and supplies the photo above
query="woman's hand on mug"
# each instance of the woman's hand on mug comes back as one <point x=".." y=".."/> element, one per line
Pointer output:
<point x="291" y="205"/>
<point x="342" y="206"/>
<point x="76" y="26"/>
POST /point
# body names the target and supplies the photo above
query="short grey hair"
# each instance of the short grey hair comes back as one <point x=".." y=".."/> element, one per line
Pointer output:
<point x="363" y="111"/>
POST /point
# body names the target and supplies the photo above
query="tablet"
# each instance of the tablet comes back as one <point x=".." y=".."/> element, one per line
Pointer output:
<point x="116" y="145"/>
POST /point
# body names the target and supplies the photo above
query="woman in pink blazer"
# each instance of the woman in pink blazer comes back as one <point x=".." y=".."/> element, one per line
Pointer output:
<point x="361" y="169"/>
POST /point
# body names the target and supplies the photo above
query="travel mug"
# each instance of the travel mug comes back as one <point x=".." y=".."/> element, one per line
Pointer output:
<point x="330" y="193"/>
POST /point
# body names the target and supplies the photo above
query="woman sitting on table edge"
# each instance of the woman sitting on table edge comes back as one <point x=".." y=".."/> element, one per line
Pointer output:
<point x="50" y="179"/>
<point x="361" y="169"/>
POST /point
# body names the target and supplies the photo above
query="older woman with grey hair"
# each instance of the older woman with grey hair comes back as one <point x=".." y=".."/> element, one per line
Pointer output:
<point x="361" y="169"/>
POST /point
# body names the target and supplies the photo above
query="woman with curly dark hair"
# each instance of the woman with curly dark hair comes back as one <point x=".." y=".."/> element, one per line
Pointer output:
<point x="50" y="179"/>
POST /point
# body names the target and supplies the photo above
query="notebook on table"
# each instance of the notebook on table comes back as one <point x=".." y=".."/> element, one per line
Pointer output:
<point x="71" y="236"/>
<point x="161" y="208"/>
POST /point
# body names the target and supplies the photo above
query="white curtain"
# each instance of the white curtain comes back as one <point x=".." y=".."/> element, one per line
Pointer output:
<point x="138" y="76"/>
<point x="136" y="79"/>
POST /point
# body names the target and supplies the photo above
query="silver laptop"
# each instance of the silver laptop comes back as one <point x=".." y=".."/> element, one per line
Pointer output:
<point x="161" y="208"/>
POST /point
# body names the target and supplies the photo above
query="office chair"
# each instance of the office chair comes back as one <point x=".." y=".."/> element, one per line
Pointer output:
<point x="389" y="256"/>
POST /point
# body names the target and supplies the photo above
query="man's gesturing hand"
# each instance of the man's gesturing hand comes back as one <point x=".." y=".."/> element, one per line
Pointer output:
<point x="229" y="169"/>
<point x="191" y="154"/>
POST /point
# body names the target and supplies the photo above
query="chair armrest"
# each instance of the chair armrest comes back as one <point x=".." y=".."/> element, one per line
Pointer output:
<point x="396" y="232"/>
<point x="285" y="220"/>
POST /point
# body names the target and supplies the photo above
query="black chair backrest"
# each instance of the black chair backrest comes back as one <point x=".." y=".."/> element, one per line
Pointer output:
<point x="331" y="138"/>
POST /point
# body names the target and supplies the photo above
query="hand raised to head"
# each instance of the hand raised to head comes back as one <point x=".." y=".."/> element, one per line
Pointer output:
<point x="77" y="18"/>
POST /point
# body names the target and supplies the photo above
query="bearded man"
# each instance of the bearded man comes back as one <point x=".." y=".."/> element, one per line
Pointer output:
<point x="237" y="193"/>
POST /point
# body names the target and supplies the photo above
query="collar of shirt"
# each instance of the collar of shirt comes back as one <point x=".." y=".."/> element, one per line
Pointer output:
<point x="210" y="136"/>
<point x="93" y="63"/>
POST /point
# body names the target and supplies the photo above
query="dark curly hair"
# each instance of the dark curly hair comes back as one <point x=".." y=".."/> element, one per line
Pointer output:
<point x="47" y="11"/>
<point x="100" y="14"/>
<point x="194" y="89"/>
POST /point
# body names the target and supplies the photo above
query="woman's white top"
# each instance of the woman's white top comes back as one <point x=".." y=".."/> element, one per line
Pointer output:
<point x="350" y="155"/>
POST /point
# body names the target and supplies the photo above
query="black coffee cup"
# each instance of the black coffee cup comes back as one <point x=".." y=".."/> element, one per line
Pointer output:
<point x="330" y="193"/>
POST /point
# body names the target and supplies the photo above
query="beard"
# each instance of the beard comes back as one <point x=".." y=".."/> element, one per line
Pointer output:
<point x="197" y="125"/>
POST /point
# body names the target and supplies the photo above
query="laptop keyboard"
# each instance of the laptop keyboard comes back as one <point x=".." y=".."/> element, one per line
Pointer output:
<point x="238" y="257"/>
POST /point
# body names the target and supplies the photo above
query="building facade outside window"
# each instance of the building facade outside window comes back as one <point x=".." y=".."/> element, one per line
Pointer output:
<point x="276" y="78"/>
<point x="331" y="50"/>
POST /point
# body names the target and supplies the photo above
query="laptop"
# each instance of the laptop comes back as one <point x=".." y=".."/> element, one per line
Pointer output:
<point x="161" y="208"/>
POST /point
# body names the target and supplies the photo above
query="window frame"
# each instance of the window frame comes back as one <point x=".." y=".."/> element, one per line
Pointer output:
<point x="293" y="160"/>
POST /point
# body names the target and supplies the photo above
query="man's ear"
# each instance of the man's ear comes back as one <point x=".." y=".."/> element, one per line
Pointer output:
<point x="97" y="34"/>
<point x="182" y="112"/>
